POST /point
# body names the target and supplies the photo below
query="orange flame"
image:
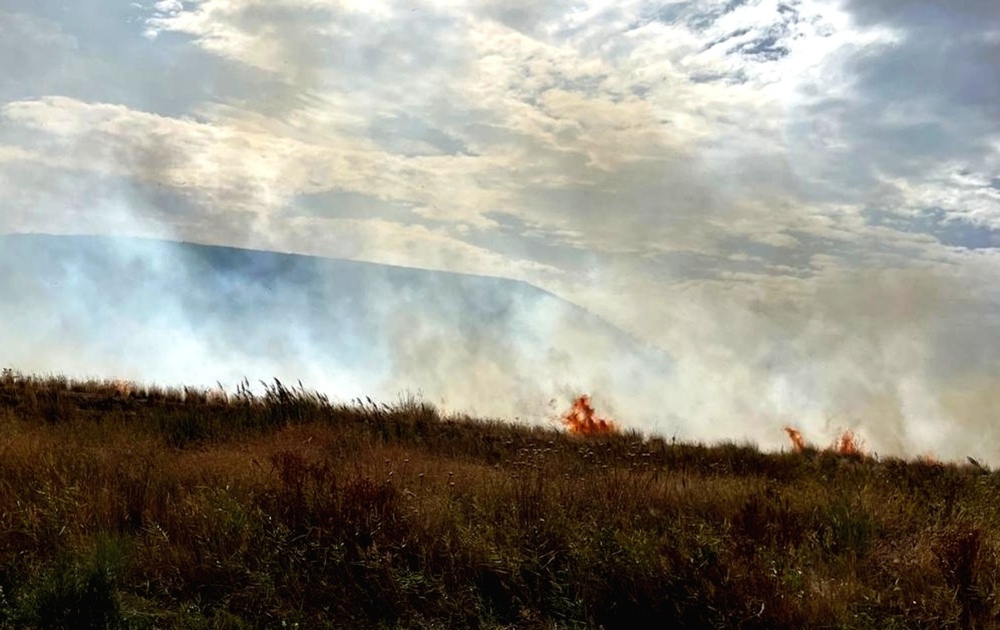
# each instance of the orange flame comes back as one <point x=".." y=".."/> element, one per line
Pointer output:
<point x="798" y="443"/>
<point x="582" y="420"/>
<point x="847" y="444"/>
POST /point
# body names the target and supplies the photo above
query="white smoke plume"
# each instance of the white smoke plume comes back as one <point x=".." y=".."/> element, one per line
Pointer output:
<point x="791" y="208"/>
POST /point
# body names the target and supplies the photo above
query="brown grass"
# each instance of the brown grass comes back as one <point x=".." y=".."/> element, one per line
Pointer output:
<point x="179" y="509"/>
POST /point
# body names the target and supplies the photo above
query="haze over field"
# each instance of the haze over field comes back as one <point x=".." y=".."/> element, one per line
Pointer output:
<point x="199" y="315"/>
<point x="798" y="201"/>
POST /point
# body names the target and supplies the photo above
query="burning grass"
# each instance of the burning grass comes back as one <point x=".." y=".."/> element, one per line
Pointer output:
<point x="798" y="442"/>
<point x="166" y="509"/>
<point x="581" y="419"/>
<point x="848" y="443"/>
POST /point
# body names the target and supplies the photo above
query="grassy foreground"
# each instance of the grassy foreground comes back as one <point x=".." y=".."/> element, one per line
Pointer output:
<point x="125" y="508"/>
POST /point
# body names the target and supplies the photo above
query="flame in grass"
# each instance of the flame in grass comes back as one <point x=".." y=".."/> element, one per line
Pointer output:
<point x="582" y="420"/>
<point x="847" y="444"/>
<point x="798" y="443"/>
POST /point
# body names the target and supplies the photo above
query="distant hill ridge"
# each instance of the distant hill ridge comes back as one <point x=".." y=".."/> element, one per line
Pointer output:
<point x="169" y="310"/>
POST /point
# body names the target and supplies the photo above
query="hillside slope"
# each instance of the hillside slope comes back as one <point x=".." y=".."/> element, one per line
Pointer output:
<point x="144" y="508"/>
<point x="177" y="312"/>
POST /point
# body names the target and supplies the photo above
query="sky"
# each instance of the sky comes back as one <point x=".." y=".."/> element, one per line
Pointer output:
<point x="799" y="200"/>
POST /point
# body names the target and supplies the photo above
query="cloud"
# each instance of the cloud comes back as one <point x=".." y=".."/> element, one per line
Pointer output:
<point x="920" y="107"/>
<point x="797" y="198"/>
<point x="33" y="50"/>
<point x="235" y="165"/>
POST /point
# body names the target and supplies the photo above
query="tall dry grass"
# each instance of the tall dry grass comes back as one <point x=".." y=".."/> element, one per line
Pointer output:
<point x="148" y="508"/>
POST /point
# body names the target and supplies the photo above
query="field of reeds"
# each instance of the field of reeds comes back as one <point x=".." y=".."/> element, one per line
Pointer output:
<point x="133" y="507"/>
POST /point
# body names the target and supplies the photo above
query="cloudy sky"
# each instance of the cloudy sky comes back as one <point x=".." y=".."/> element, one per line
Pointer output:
<point x="798" y="199"/>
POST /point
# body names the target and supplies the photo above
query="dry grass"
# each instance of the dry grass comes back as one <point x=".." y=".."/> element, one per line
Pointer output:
<point x="136" y="507"/>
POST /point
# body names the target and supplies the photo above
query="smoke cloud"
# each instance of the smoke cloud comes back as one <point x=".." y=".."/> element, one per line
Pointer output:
<point x="717" y="219"/>
<point x="176" y="313"/>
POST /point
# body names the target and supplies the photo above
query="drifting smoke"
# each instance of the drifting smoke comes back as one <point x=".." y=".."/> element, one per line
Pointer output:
<point x="752" y="262"/>
<point x="906" y="358"/>
<point x="175" y="313"/>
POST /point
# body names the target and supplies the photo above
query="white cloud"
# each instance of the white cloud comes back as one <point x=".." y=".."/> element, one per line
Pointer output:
<point x="236" y="163"/>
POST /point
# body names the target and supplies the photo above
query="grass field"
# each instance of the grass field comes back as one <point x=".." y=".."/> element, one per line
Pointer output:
<point x="126" y="507"/>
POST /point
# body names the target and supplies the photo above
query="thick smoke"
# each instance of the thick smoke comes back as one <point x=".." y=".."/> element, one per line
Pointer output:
<point x="747" y="234"/>
<point x="173" y="313"/>
<point x="907" y="358"/>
